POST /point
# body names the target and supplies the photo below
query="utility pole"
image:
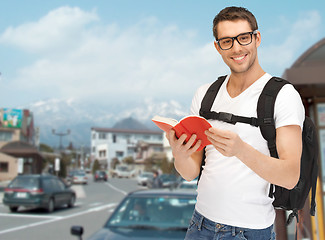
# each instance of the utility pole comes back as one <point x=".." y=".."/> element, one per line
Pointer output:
<point x="61" y="134"/>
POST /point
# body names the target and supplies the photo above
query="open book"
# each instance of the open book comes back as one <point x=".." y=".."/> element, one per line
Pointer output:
<point x="189" y="125"/>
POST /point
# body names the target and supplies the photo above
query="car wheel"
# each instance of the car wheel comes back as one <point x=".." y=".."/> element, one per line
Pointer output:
<point x="13" y="209"/>
<point x="50" y="205"/>
<point x="72" y="201"/>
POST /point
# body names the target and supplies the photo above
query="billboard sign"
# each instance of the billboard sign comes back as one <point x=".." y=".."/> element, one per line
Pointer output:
<point x="12" y="118"/>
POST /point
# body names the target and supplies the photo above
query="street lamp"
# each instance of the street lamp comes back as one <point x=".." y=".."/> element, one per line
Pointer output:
<point x="61" y="134"/>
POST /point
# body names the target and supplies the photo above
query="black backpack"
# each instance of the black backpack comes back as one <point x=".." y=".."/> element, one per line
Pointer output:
<point x="294" y="199"/>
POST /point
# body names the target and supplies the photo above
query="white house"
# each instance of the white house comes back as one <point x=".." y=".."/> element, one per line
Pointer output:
<point x="110" y="143"/>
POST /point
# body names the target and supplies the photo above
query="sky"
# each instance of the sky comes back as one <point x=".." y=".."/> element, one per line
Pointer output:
<point x="124" y="51"/>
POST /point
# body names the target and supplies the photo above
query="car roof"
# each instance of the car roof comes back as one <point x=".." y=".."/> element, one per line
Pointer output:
<point x="163" y="192"/>
<point x="36" y="176"/>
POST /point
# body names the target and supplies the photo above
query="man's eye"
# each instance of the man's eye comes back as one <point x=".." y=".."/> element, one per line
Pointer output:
<point x="244" y="38"/>
<point x="226" y="41"/>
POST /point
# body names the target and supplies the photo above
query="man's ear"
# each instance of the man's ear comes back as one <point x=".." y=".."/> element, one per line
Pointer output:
<point x="217" y="46"/>
<point x="258" y="38"/>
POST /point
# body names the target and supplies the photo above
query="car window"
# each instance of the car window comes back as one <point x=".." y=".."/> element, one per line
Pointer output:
<point x="47" y="184"/>
<point x="162" y="212"/>
<point x="57" y="185"/>
<point x="60" y="185"/>
<point x="25" y="182"/>
<point x="80" y="174"/>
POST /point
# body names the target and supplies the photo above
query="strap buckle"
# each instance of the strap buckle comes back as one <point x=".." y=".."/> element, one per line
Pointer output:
<point x="226" y="117"/>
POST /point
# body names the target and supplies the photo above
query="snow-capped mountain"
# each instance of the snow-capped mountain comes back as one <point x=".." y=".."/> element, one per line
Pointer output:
<point x="79" y="117"/>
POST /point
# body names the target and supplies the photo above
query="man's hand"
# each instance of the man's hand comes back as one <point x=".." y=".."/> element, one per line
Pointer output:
<point x="187" y="158"/>
<point x="226" y="142"/>
<point x="180" y="148"/>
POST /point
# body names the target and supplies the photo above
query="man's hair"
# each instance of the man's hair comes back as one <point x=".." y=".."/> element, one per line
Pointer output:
<point x="234" y="14"/>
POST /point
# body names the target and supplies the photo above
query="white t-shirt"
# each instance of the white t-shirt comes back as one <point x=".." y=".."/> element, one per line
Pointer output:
<point x="229" y="192"/>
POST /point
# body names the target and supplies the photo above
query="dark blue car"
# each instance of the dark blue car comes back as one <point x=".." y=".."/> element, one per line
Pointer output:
<point x="148" y="214"/>
<point x="38" y="191"/>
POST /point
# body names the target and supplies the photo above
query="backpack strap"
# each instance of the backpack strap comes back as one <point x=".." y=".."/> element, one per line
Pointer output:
<point x="265" y="112"/>
<point x="206" y="105"/>
<point x="313" y="191"/>
<point x="312" y="135"/>
<point x="210" y="96"/>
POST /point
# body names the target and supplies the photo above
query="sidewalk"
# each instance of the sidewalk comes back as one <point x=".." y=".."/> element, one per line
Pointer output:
<point x="3" y="184"/>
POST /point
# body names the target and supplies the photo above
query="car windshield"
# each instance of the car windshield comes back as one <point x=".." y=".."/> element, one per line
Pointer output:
<point x="154" y="212"/>
<point x="80" y="174"/>
<point x="123" y="168"/>
<point x="146" y="175"/>
<point x="25" y="183"/>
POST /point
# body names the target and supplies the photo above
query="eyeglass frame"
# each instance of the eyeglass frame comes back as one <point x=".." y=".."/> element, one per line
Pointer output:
<point x="236" y="38"/>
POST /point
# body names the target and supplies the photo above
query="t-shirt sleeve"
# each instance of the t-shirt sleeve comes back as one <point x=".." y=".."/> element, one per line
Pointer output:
<point x="289" y="109"/>
<point x="197" y="99"/>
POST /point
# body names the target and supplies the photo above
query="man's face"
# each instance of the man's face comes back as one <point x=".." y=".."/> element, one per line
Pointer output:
<point x="240" y="59"/>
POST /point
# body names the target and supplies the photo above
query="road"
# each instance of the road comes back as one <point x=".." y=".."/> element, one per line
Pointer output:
<point x="95" y="202"/>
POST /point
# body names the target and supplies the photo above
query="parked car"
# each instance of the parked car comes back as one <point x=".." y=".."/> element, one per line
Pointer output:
<point x="100" y="175"/>
<point x="169" y="180"/>
<point x="148" y="214"/>
<point x="188" y="185"/>
<point x="123" y="171"/>
<point x="144" y="178"/>
<point x="79" y="177"/>
<point x="70" y="175"/>
<point x="40" y="191"/>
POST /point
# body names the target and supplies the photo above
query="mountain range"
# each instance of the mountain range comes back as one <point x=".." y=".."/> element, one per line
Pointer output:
<point x="74" y="119"/>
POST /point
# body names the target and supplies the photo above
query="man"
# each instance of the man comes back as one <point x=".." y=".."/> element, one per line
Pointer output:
<point x="232" y="199"/>
<point x="156" y="182"/>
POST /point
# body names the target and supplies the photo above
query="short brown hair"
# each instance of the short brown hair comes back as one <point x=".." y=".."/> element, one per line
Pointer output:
<point x="233" y="14"/>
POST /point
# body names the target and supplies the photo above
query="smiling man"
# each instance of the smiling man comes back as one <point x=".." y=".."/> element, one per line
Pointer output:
<point x="233" y="201"/>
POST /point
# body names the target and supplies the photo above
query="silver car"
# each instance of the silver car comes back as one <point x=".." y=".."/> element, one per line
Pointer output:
<point x="144" y="178"/>
<point x="80" y="177"/>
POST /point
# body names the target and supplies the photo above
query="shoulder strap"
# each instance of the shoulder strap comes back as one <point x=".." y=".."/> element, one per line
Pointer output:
<point x="210" y="96"/>
<point x="265" y="112"/>
<point x="206" y="105"/>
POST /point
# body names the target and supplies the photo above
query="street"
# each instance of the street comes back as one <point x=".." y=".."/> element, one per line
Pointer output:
<point x="95" y="202"/>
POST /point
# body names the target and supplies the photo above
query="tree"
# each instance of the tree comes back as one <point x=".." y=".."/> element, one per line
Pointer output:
<point x="128" y="160"/>
<point x="96" y="166"/>
<point x="166" y="166"/>
<point x="114" y="162"/>
<point x="45" y="148"/>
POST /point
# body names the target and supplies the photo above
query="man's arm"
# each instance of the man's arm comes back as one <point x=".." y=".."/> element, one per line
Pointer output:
<point x="283" y="172"/>
<point x="187" y="159"/>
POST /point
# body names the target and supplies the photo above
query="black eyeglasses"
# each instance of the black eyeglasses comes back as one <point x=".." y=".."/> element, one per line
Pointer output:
<point x="243" y="39"/>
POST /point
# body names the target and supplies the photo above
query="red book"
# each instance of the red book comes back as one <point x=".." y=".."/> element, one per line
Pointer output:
<point x="189" y="125"/>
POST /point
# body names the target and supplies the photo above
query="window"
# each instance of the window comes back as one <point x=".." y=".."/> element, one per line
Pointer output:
<point x="102" y="153"/>
<point x="5" y="136"/>
<point x="4" y="167"/>
<point x="119" y="154"/>
<point x="114" y="138"/>
<point x="94" y="135"/>
<point x="60" y="185"/>
<point x="94" y="149"/>
<point x="47" y="184"/>
<point x="102" y="136"/>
